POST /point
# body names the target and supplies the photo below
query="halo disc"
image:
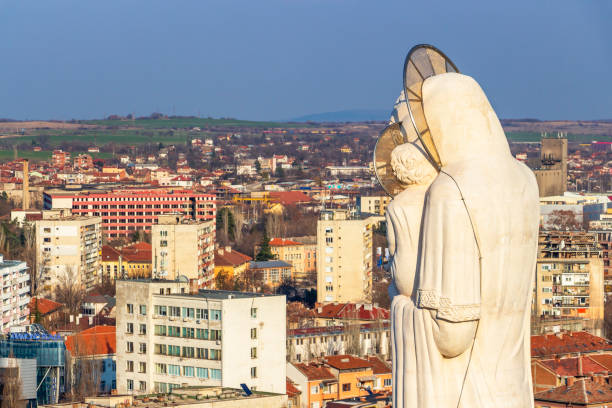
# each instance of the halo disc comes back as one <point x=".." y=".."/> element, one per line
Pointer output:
<point x="422" y="62"/>
<point x="389" y="138"/>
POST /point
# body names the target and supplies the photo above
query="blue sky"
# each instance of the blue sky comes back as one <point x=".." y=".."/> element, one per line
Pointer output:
<point x="280" y="59"/>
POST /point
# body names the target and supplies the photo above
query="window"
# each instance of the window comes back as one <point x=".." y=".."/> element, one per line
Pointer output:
<point x="387" y="382"/>
<point x="174" y="369"/>
<point x="160" y="330"/>
<point x="328" y="230"/>
<point x="142" y="367"/>
<point x="188" y="312"/>
<point x="130" y="385"/>
<point x="215" y="354"/>
<point x="129" y="328"/>
<point x="161" y="310"/>
<point x="253" y="352"/>
<point x="143" y="329"/>
<point x="188" y="352"/>
<point x="202" y="353"/>
<point x="188" y="332"/>
<point x="254" y="312"/>
<point x="175" y="311"/>
<point x="215" y="335"/>
<point x="202" y="314"/>
<point x="188" y="371"/>
<point x="202" y="334"/>
<point x="215" y="374"/>
<point x="143" y="348"/>
<point x="329" y="259"/>
<point x="174" y="331"/>
<point x="130" y="347"/>
<point x="143" y="310"/>
<point x="253" y="372"/>
<point x="254" y="333"/>
<point x="174" y="350"/>
<point x="329" y="240"/>
<point x="160" y="349"/>
<point x="346" y="387"/>
<point x="163" y="243"/>
<point x="142" y="385"/>
<point x="130" y="366"/>
<point x="202" y="372"/>
<point x="161" y="368"/>
<point x="314" y="389"/>
<point x="215" y="314"/>
<point x="130" y="308"/>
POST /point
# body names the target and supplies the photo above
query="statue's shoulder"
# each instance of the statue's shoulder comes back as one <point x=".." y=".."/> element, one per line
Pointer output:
<point x="443" y="187"/>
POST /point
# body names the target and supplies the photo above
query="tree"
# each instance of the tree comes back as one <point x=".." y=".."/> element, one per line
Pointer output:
<point x="265" y="253"/>
<point x="258" y="166"/>
<point x="69" y="291"/>
<point x="10" y="383"/>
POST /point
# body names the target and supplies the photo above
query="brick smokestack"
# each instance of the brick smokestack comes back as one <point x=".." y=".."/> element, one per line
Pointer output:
<point x="26" y="185"/>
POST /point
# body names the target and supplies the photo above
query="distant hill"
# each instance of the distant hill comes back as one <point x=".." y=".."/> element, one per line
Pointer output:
<point x="354" y="115"/>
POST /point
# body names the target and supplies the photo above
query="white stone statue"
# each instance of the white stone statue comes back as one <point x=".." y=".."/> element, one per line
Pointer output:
<point x="464" y="244"/>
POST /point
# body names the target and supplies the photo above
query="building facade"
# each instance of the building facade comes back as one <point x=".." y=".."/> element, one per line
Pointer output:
<point x="302" y="256"/>
<point x="15" y="281"/>
<point x="168" y="337"/>
<point x="373" y="204"/>
<point x="344" y="257"/>
<point x="552" y="174"/>
<point x="126" y="211"/>
<point x="68" y="246"/>
<point x="569" y="276"/>
<point x="182" y="246"/>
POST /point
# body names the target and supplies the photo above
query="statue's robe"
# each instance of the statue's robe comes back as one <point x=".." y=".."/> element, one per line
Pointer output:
<point x="462" y="339"/>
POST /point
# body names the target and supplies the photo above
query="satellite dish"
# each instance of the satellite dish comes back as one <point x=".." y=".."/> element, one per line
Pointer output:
<point x="423" y="61"/>
<point x="390" y="137"/>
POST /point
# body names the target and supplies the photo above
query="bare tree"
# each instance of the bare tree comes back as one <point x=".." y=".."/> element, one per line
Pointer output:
<point x="69" y="291"/>
<point x="84" y="374"/>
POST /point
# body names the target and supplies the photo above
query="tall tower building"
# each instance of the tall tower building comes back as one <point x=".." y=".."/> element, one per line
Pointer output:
<point x="344" y="257"/>
<point x="552" y="175"/>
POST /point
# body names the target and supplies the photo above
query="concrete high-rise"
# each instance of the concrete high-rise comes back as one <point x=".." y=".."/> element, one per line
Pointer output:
<point x="552" y="174"/>
<point x="344" y="257"/>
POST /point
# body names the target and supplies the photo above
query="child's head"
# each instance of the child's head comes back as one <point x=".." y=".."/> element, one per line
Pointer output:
<point x="410" y="165"/>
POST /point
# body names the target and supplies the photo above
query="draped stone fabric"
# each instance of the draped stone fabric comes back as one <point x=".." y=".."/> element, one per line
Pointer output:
<point x="460" y="332"/>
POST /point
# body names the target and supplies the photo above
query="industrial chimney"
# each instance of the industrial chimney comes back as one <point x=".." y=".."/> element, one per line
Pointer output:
<point x="26" y="185"/>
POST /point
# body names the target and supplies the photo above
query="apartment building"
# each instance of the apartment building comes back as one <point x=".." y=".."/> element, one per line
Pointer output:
<point x="604" y="238"/>
<point x="129" y="210"/>
<point x="338" y="377"/>
<point x="170" y="336"/>
<point x="68" y="246"/>
<point x="300" y="254"/>
<point x="60" y="158"/>
<point x="134" y="261"/>
<point x="569" y="276"/>
<point x="184" y="247"/>
<point x="309" y="344"/>
<point x="15" y="281"/>
<point x="344" y="257"/>
<point x="373" y="204"/>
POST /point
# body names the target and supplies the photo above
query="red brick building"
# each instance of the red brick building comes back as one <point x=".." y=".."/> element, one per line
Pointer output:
<point x="59" y="159"/>
<point x="129" y="210"/>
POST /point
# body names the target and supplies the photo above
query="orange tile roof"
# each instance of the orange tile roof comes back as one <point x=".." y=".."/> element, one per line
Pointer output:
<point x="230" y="258"/>
<point x="283" y="242"/>
<point x="290" y="197"/>
<point x="139" y="252"/>
<point x="347" y="362"/>
<point x="45" y="306"/>
<point x="351" y="311"/>
<point x="604" y="360"/>
<point x="314" y="371"/>
<point x="379" y="366"/>
<point x="97" y="340"/>
<point x="572" y="367"/>
<point x="292" y="391"/>
<point x="567" y="343"/>
<point x="583" y="392"/>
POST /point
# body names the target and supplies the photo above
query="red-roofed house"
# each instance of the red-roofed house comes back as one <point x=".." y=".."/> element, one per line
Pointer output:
<point x="553" y="373"/>
<point x="567" y="344"/>
<point x="44" y="310"/>
<point x="230" y="261"/>
<point x="302" y="256"/>
<point x="332" y="314"/>
<point x="354" y="375"/>
<point x="290" y="198"/>
<point x="582" y="393"/>
<point x="382" y="372"/>
<point x="316" y="383"/>
<point x="293" y="395"/>
<point x="134" y="259"/>
<point x="93" y="353"/>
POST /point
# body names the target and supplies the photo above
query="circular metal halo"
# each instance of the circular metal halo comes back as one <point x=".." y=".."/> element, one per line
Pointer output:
<point x="422" y="62"/>
<point x="389" y="138"/>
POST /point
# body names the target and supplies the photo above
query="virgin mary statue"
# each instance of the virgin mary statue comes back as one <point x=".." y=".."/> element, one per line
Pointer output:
<point x="463" y="264"/>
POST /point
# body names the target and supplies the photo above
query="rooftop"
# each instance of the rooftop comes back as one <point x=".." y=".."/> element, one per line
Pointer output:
<point x="347" y="362"/>
<point x="567" y="343"/>
<point x="583" y="392"/>
<point x="222" y="294"/>
<point x="269" y="264"/>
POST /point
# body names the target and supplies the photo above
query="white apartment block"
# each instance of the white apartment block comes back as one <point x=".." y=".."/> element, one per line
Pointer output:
<point x="182" y="246"/>
<point x="168" y="337"/>
<point x="15" y="281"/>
<point x="344" y="257"/>
<point x="69" y="246"/>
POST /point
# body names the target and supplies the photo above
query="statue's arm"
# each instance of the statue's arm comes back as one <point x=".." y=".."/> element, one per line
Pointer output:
<point x="449" y="283"/>
<point x="393" y="291"/>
